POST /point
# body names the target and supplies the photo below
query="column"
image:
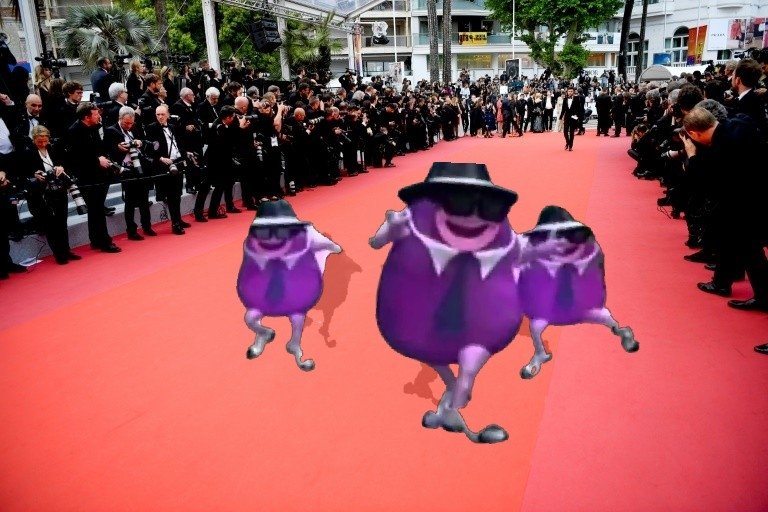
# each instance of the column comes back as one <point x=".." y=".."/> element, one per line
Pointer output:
<point x="211" y="35"/>
<point x="31" y="28"/>
<point x="285" y="66"/>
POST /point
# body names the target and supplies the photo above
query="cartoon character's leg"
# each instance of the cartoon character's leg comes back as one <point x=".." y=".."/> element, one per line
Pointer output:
<point x="540" y="355"/>
<point x="471" y="360"/>
<point x="294" y="345"/>
<point x="263" y="334"/>
<point x="603" y="317"/>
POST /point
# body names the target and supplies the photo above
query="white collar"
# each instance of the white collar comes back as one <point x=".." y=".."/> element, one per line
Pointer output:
<point x="441" y="254"/>
<point x="290" y="260"/>
<point x="553" y="265"/>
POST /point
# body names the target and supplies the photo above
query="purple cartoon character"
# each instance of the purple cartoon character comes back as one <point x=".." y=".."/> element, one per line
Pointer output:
<point x="448" y="293"/>
<point x="565" y="284"/>
<point x="281" y="274"/>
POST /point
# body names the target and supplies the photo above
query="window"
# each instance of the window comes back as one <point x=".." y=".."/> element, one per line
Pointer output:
<point x="724" y="54"/>
<point x="596" y="60"/>
<point x="677" y="46"/>
<point x="633" y="46"/>
<point x="476" y="61"/>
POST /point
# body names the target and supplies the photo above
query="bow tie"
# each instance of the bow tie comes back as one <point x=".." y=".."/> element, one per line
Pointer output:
<point x="36" y="118"/>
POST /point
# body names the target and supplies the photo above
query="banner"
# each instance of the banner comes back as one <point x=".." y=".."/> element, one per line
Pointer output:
<point x="737" y="34"/>
<point x="473" y="38"/>
<point x="663" y="59"/>
<point x="696" y="44"/>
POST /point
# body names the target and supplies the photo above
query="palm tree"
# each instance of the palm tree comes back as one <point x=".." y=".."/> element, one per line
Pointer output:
<point x="162" y="27"/>
<point x="310" y="47"/>
<point x="432" y="28"/>
<point x="628" y="6"/>
<point x="447" y="25"/>
<point x="641" y="51"/>
<point x="94" y="31"/>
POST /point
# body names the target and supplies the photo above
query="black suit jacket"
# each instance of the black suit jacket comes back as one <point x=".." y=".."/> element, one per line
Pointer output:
<point x="113" y="136"/>
<point x="576" y="109"/>
<point x="154" y="133"/>
<point x="84" y="147"/>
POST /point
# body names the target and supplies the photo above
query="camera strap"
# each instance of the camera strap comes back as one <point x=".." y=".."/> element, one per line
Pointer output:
<point x="169" y="134"/>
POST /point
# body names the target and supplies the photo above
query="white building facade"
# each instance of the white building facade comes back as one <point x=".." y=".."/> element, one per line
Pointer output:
<point x="482" y="45"/>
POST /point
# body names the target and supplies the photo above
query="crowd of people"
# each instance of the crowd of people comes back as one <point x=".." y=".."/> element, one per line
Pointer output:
<point x="193" y="131"/>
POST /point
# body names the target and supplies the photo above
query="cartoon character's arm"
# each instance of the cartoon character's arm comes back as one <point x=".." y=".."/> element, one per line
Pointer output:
<point x="395" y="227"/>
<point x="319" y="242"/>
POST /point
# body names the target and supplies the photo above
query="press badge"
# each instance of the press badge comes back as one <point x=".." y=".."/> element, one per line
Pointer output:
<point x="274" y="142"/>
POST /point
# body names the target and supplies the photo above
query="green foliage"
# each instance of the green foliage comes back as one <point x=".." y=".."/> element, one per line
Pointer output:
<point x="310" y="47"/>
<point x="186" y="32"/>
<point x="93" y="31"/>
<point x="560" y="18"/>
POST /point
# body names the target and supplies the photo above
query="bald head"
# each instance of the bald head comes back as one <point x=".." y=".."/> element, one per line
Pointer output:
<point x="242" y="103"/>
<point x="34" y="104"/>
<point x="161" y="113"/>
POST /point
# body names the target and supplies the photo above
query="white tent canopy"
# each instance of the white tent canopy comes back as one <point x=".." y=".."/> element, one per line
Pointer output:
<point x="659" y="72"/>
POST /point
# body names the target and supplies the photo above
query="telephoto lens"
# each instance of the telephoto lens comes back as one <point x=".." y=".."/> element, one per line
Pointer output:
<point x="77" y="197"/>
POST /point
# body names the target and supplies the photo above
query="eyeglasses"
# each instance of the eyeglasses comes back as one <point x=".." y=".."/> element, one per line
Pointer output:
<point x="573" y="235"/>
<point x="488" y="208"/>
<point x="279" y="232"/>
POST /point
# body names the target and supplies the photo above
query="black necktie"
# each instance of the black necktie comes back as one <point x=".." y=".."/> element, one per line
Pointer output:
<point x="276" y="284"/>
<point x="565" y="275"/>
<point x="450" y="316"/>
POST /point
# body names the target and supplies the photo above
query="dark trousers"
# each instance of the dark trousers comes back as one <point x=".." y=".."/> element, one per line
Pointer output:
<point x="136" y="195"/>
<point x="50" y="213"/>
<point x="548" y="118"/>
<point x="94" y="197"/>
<point x="223" y="186"/>
<point x="569" y="128"/>
<point x="5" y="245"/>
<point x="203" y="187"/>
<point x="740" y="250"/>
<point x="170" y="189"/>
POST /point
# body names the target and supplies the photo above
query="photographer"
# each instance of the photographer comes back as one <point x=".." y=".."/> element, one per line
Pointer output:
<point x="150" y="100"/>
<point x="47" y="193"/>
<point x="124" y="146"/>
<point x="191" y="135"/>
<point x="86" y="158"/>
<point x="102" y="78"/>
<point x="169" y="162"/>
<point x="248" y="155"/>
<point x="297" y="150"/>
<point x="118" y="94"/>
<point x="266" y="127"/>
<point x="135" y="81"/>
<point x="218" y="156"/>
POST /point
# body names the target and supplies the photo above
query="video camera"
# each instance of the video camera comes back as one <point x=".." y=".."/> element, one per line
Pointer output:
<point x="49" y="61"/>
<point x="179" y="59"/>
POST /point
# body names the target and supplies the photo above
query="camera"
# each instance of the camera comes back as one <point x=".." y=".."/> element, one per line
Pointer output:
<point x="179" y="59"/>
<point x="49" y="61"/>
<point x="314" y="121"/>
<point x="253" y="117"/>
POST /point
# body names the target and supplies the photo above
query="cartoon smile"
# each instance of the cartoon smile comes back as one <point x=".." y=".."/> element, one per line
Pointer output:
<point x="273" y="244"/>
<point x="466" y="231"/>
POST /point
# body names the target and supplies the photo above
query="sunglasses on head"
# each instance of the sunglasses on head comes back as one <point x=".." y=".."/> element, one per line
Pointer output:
<point x="488" y="208"/>
<point x="578" y="235"/>
<point x="279" y="232"/>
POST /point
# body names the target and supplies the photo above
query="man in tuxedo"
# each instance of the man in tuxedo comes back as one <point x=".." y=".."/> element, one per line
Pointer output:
<point x="30" y="116"/>
<point x="571" y="113"/>
<point x="87" y="159"/>
<point x="167" y="164"/>
<point x="121" y="141"/>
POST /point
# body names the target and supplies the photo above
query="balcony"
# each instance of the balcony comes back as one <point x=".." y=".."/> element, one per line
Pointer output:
<point x="657" y="8"/>
<point x="491" y="39"/>
<point x="456" y="5"/>
<point x="402" y="6"/>
<point x="403" y="42"/>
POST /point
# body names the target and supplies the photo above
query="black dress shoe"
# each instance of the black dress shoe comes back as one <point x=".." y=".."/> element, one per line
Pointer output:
<point x="185" y="224"/>
<point x="135" y="236"/>
<point x="112" y="248"/>
<point x="74" y="257"/>
<point x="177" y="230"/>
<point x="693" y="242"/>
<point x="109" y="212"/>
<point x="62" y="260"/>
<point x="200" y="218"/>
<point x="15" y="268"/>
<point x="234" y="210"/>
<point x="700" y="257"/>
<point x="149" y="232"/>
<point x="749" y="305"/>
<point x="715" y="289"/>
<point x="216" y="216"/>
<point x="763" y="349"/>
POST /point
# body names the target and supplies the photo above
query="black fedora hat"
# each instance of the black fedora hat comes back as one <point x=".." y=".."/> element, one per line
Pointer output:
<point x="456" y="177"/>
<point x="276" y="214"/>
<point x="557" y="218"/>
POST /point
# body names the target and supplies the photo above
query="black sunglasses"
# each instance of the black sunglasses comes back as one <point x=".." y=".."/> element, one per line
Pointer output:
<point x="488" y="208"/>
<point x="279" y="232"/>
<point x="574" y="235"/>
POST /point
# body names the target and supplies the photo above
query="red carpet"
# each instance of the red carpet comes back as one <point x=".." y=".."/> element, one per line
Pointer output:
<point x="125" y="384"/>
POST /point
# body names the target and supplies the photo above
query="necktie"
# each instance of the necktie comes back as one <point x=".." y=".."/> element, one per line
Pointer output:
<point x="564" y="297"/>
<point x="451" y="313"/>
<point x="276" y="285"/>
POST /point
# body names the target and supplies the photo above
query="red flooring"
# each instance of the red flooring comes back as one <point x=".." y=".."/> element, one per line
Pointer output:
<point x="125" y="384"/>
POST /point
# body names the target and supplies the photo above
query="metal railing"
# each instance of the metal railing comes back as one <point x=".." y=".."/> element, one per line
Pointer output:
<point x="400" y="5"/>
<point x="423" y="39"/>
<point x="456" y="5"/>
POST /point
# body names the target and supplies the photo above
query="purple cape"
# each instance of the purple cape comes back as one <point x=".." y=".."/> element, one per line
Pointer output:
<point x="410" y="291"/>
<point x="303" y="283"/>
<point x="539" y="292"/>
